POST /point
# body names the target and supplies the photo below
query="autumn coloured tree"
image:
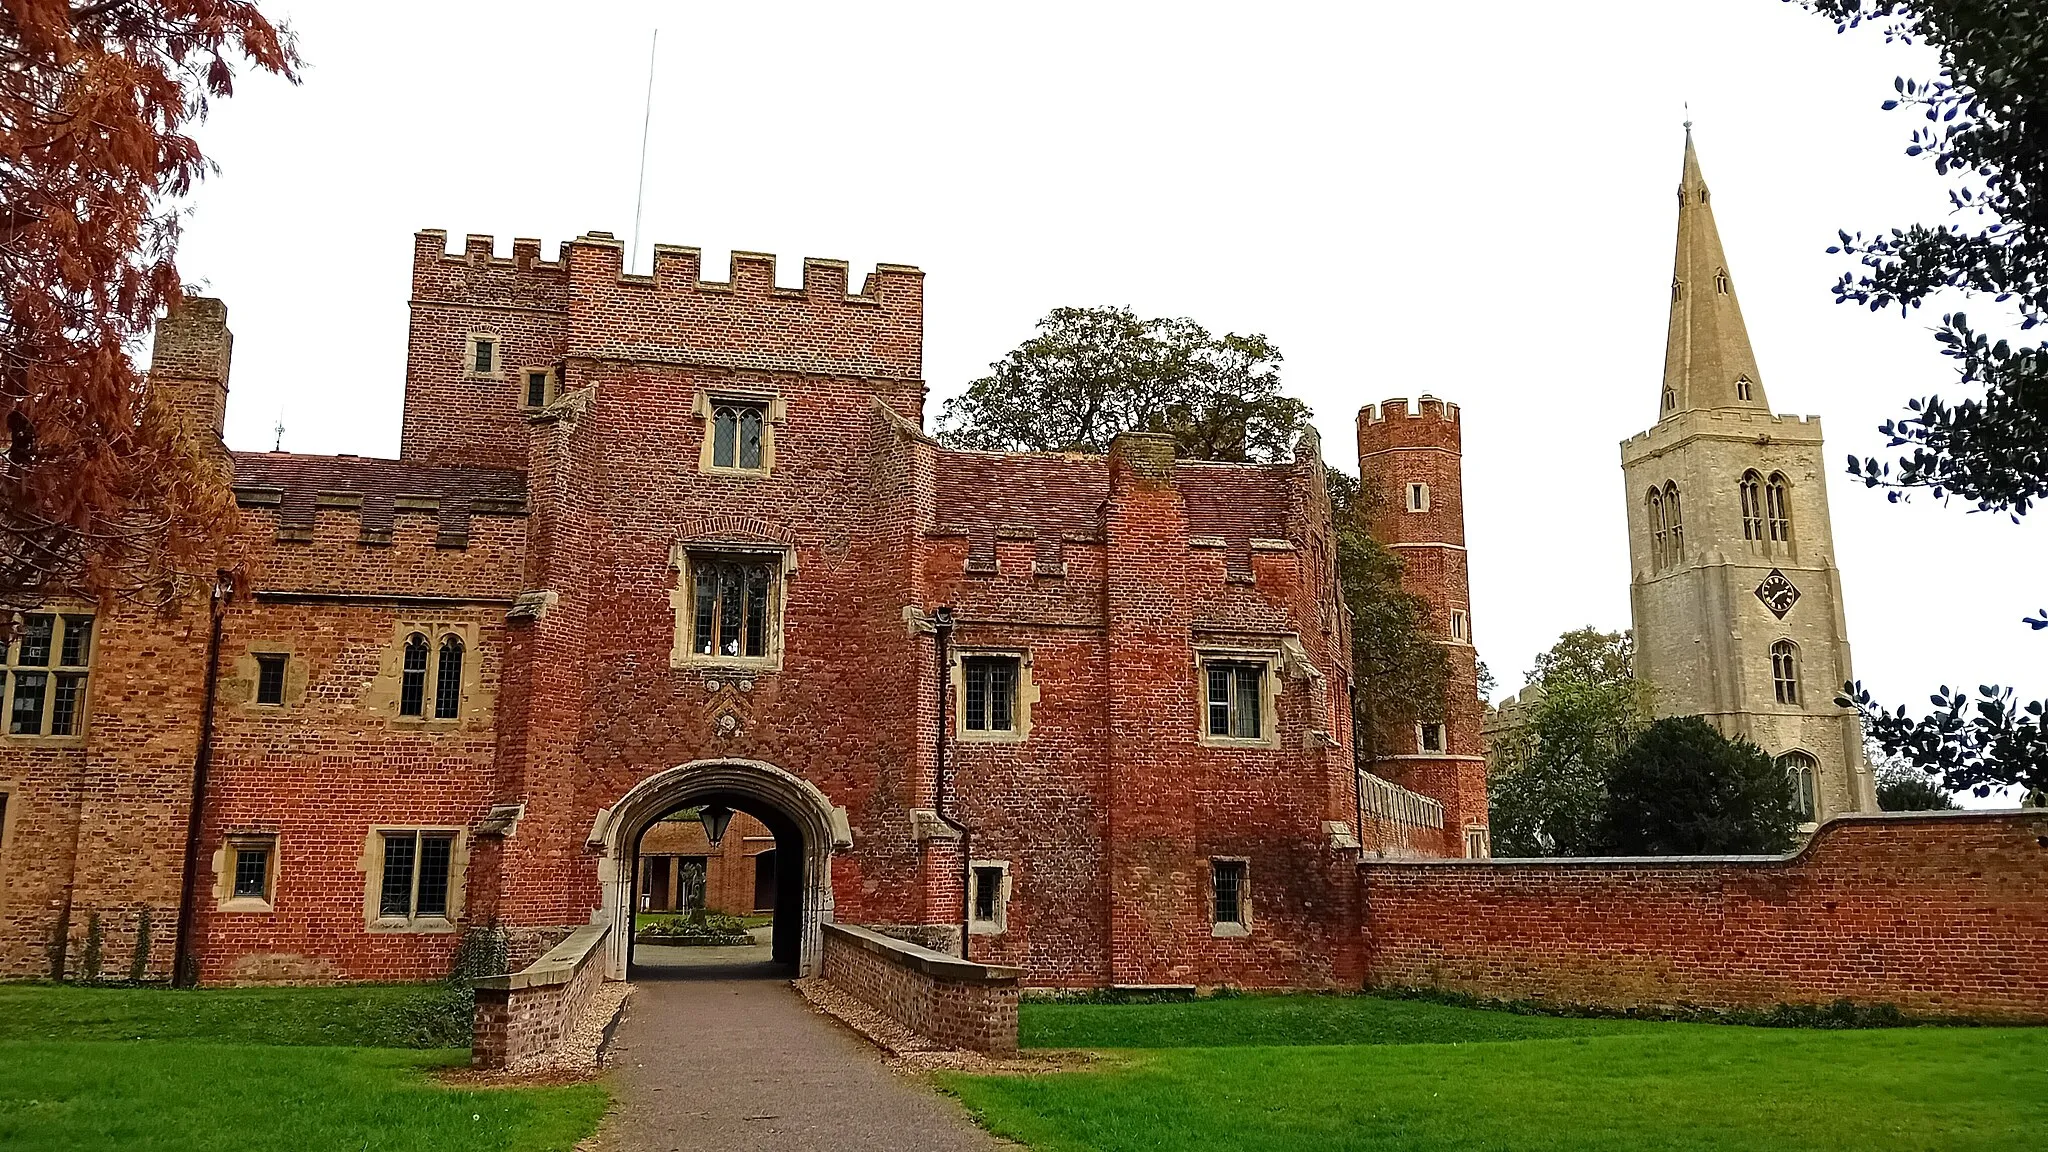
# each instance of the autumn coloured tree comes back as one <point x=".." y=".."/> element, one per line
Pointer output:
<point x="101" y="493"/>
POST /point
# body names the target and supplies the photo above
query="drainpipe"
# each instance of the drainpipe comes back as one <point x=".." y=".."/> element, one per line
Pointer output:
<point x="942" y="633"/>
<point x="183" y="972"/>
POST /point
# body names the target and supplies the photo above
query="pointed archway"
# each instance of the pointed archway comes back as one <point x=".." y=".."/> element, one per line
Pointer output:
<point x="819" y="825"/>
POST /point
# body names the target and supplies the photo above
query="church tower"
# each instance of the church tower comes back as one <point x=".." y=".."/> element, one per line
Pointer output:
<point x="1736" y="597"/>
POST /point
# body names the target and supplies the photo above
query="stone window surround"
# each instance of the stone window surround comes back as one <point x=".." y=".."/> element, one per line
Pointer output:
<point x="682" y="654"/>
<point x="1783" y="761"/>
<point x="1242" y="926"/>
<point x="1478" y="842"/>
<point x="1461" y="626"/>
<point x="371" y="864"/>
<point x="1269" y="711"/>
<point x="240" y="685"/>
<point x="548" y="396"/>
<point x="82" y="723"/>
<point x="381" y="697"/>
<point x="1020" y="715"/>
<point x="774" y="413"/>
<point x="997" y="926"/>
<point x="1415" y="496"/>
<point x="469" y="342"/>
<point x="1443" y="738"/>
<point x="224" y="898"/>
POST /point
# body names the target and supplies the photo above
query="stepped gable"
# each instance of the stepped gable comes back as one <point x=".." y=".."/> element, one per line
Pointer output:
<point x="295" y="483"/>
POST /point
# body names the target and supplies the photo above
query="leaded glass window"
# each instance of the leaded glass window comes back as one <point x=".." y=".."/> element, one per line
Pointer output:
<point x="1236" y="698"/>
<point x="736" y="435"/>
<point x="43" y="670"/>
<point x="448" y="679"/>
<point x="417" y="874"/>
<point x="731" y="607"/>
<point x="252" y="871"/>
<point x="991" y="693"/>
<point x="1227" y="882"/>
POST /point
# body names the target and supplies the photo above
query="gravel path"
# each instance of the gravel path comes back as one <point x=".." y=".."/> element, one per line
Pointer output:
<point x="719" y="1052"/>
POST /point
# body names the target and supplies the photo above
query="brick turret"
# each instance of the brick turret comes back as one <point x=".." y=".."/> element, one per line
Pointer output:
<point x="1409" y="465"/>
<point x="188" y="365"/>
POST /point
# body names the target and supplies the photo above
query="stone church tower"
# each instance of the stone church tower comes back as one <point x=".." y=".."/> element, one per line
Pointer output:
<point x="1735" y="594"/>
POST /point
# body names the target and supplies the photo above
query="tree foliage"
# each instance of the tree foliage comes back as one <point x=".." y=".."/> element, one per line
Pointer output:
<point x="1985" y="127"/>
<point x="1091" y="373"/>
<point x="1547" y="786"/>
<point x="1682" y="789"/>
<point x="1907" y="789"/>
<point x="98" y="492"/>
<point x="1398" y="670"/>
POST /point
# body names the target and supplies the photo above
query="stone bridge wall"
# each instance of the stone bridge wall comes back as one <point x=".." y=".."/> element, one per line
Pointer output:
<point x="954" y="1002"/>
<point x="523" y="1016"/>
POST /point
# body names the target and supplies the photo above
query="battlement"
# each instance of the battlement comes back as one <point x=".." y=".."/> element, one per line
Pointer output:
<point x="1746" y="423"/>
<point x="597" y="256"/>
<point x="1428" y="409"/>
<point x="374" y="496"/>
<point x="477" y="275"/>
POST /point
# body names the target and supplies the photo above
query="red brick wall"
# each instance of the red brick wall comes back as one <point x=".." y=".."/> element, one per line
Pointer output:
<point x="1398" y="446"/>
<point x="523" y="1018"/>
<point x="1938" y="914"/>
<point x="957" y="1004"/>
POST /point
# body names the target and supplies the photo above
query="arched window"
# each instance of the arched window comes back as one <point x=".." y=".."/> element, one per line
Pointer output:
<point x="1785" y="671"/>
<point x="750" y="437"/>
<point x="412" y="677"/>
<point x="1670" y="399"/>
<point x="1677" y="289"/>
<point x="1658" y="531"/>
<point x="1721" y="281"/>
<point x="725" y="431"/>
<point x="1743" y="384"/>
<point x="1676" y="518"/>
<point x="1778" y="503"/>
<point x="448" y="679"/>
<point x="1752" y="507"/>
<point x="1799" y="768"/>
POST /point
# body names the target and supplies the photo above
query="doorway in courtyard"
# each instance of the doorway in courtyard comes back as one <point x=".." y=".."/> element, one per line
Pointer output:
<point x="712" y="881"/>
<point x="718" y="863"/>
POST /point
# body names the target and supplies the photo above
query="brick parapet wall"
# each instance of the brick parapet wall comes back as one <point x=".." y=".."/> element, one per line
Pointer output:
<point x="524" y="1016"/>
<point x="945" y="999"/>
<point x="1939" y="914"/>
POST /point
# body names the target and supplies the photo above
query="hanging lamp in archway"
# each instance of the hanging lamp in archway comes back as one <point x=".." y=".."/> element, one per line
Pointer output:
<point x="715" y="818"/>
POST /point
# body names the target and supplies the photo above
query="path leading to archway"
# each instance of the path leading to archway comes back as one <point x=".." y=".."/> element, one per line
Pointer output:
<point x="718" y="1053"/>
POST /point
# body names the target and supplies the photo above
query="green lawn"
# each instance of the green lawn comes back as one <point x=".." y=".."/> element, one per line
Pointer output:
<point x="1300" y="1073"/>
<point x="291" y="1070"/>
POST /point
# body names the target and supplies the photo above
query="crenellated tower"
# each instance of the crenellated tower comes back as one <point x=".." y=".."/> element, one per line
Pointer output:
<point x="1410" y="467"/>
<point x="1736" y="598"/>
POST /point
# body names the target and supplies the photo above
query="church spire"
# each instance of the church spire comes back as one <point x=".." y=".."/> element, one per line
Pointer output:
<point x="1707" y="359"/>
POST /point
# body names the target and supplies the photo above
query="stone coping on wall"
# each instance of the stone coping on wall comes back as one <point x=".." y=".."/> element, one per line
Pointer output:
<point x="1823" y="832"/>
<point x="937" y="965"/>
<point x="556" y="966"/>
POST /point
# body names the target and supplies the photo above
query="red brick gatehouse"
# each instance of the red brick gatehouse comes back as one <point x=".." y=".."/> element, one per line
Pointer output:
<point x="657" y="541"/>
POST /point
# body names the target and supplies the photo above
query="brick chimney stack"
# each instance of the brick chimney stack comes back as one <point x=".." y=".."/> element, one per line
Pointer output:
<point x="189" y="366"/>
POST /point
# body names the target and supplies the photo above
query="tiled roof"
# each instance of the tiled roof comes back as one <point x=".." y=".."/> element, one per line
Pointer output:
<point x="301" y="479"/>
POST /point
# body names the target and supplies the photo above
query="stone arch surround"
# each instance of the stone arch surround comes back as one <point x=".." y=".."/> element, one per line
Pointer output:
<point x="616" y="834"/>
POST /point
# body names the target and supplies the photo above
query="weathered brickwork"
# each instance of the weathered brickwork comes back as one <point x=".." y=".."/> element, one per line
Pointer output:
<point x="956" y="1003"/>
<point x="524" y="1017"/>
<point x="1937" y="914"/>
<point x="558" y="548"/>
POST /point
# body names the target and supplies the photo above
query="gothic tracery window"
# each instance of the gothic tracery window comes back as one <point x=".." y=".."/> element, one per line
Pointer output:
<point x="1778" y="507"/>
<point x="1799" y="769"/>
<point x="1721" y="281"/>
<point x="1743" y="385"/>
<point x="1752" y="507"/>
<point x="1785" y="671"/>
<point x="731" y="602"/>
<point x="412" y="678"/>
<point x="736" y="436"/>
<point x="1676" y="518"/>
<point x="1658" y="531"/>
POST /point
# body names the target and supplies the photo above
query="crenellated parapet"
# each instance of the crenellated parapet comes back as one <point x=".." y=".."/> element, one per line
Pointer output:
<point x="674" y="315"/>
<point x="1726" y="423"/>
<point x="475" y="275"/>
<point x="1392" y="424"/>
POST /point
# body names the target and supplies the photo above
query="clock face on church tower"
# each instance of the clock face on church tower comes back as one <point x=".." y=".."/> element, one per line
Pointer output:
<point x="1777" y="593"/>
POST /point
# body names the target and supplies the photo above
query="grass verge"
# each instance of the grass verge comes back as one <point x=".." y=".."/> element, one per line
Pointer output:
<point x="290" y="1070"/>
<point x="1302" y="1073"/>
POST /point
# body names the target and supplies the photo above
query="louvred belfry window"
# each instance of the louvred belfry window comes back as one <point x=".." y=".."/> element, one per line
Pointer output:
<point x="732" y="605"/>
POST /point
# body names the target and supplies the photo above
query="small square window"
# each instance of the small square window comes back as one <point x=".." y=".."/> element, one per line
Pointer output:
<point x="270" y="668"/>
<point x="1230" y="903"/>
<point x="1418" y="497"/>
<point x="252" y="872"/>
<point x="1236" y="699"/>
<point x="991" y="897"/>
<point x="1431" y="736"/>
<point x="991" y="693"/>
<point x="483" y="355"/>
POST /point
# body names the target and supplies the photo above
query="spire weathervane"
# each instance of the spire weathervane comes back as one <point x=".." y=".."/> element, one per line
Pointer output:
<point x="1688" y="117"/>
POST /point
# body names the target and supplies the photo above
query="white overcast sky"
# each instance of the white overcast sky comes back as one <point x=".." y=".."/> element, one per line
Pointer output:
<point x="1472" y="200"/>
